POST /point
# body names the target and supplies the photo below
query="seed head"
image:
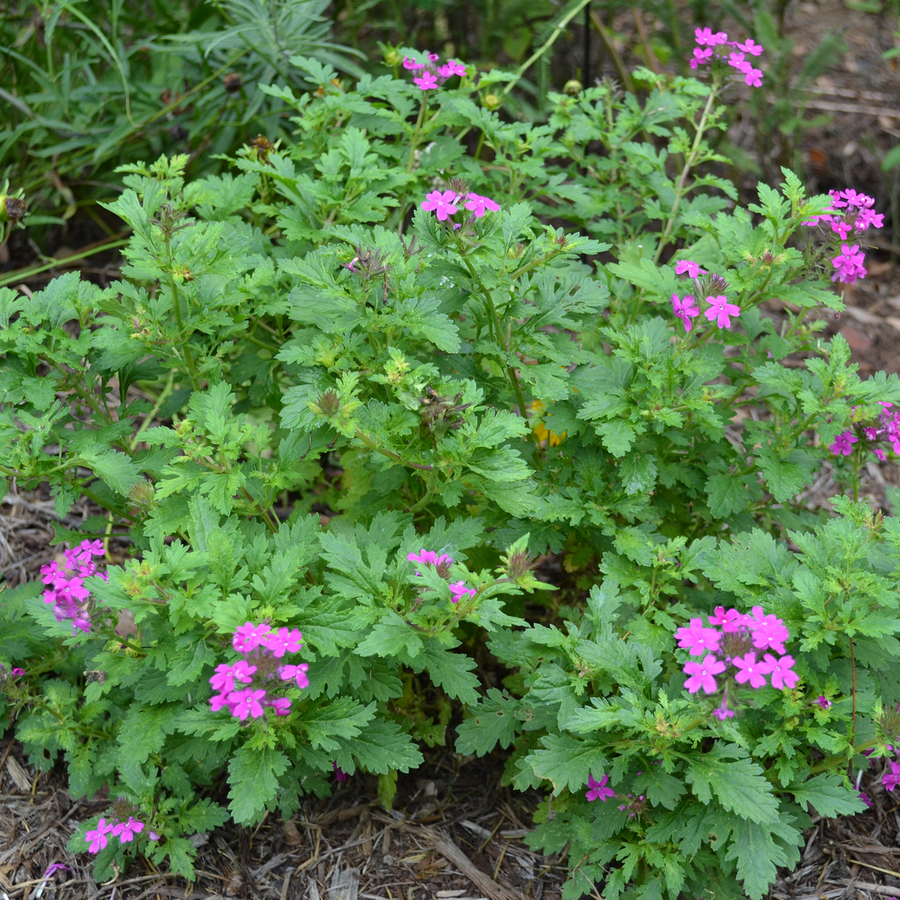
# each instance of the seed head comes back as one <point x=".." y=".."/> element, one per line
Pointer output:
<point x="233" y="82"/>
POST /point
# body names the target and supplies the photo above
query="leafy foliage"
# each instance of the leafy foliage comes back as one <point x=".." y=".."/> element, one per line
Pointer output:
<point x="312" y="403"/>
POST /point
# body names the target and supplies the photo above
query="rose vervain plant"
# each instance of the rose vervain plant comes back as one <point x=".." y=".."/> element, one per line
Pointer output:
<point x="340" y="402"/>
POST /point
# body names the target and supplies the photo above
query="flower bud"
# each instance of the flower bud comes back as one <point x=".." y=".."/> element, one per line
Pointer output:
<point x="328" y="404"/>
<point x="573" y="86"/>
<point x="520" y="563"/>
<point x="12" y="209"/>
<point x="233" y="82"/>
<point x="491" y="102"/>
<point x="142" y="494"/>
<point x="392" y="58"/>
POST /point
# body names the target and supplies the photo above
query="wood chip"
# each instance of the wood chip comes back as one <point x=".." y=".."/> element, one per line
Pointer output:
<point x="442" y="843"/>
<point x="18" y="775"/>
<point x="344" y="885"/>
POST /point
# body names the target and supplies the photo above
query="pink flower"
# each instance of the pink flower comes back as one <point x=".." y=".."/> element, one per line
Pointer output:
<point x="126" y="831"/>
<point x="458" y="591"/>
<point x="443" y="203"/>
<point x="433" y="57"/>
<point x="823" y="701"/>
<point x="429" y="557"/>
<point x="249" y="636"/>
<point x="701" y="57"/>
<point x="283" y="641"/>
<point x="730" y="619"/>
<point x="702" y="674"/>
<point x="219" y="701"/>
<point x="427" y="81"/>
<point x="782" y="675"/>
<point x="97" y="838"/>
<point x="841" y="228"/>
<point x="868" y="219"/>
<point x="891" y="779"/>
<point x="843" y="444"/>
<point x="723" y="712"/>
<point x="879" y="453"/>
<point x="247" y="702"/>
<point x="296" y="673"/>
<point x="865" y="799"/>
<point x="411" y="65"/>
<point x="752" y="77"/>
<point x="478" y="205"/>
<point x="53" y="868"/>
<point x="685" y="310"/>
<point x="720" y="310"/>
<point x="749" y="47"/>
<point x="597" y="790"/>
<point x="223" y="680"/>
<point x="699" y="639"/>
<point x="706" y="36"/>
<point x="849" y="265"/>
<point x="692" y="269"/>
<point x="339" y="773"/>
<point x="768" y="631"/>
<point x="736" y="60"/>
<point x="281" y="705"/>
<point x="750" y="670"/>
<point x="451" y="68"/>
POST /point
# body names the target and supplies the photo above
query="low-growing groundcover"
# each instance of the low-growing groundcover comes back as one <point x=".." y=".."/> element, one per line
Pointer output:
<point x="473" y="341"/>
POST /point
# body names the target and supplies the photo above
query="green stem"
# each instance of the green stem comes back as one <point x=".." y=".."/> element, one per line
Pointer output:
<point x="266" y="516"/>
<point x="152" y="414"/>
<point x="186" y="346"/>
<point x="680" y="187"/>
<point x="25" y="274"/>
<point x="498" y="329"/>
<point x="554" y="35"/>
<point x="413" y="145"/>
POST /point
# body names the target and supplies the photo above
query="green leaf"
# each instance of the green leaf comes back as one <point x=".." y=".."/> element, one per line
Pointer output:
<point x="617" y="436"/>
<point x="739" y="784"/>
<point x="829" y="796"/>
<point x="143" y="732"/>
<point x="727" y="495"/>
<point x="342" y="717"/>
<point x="566" y="762"/>
<point x="253" y="776"/>
<point x="451" y="671"/>
<point x="757" y="857"/>
<point x="381" y="747"/>
<point x="391" y="636"/>
<point x="116" y="469"/>
<point x="787" y="475"/>
<point x="493" y="721"/>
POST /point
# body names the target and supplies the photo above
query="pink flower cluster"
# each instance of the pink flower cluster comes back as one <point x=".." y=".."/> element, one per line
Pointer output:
<point x="737" y="637"/>
<point x="98" y="838"/>
<point x="732" y="53"/>
<point x="458" y="589"/>
<point x="720" y="310"/>
<point x="886" y="428"/>
<point x="446" y="203"/>
<point x="851" y="213"/>
<point x="65" y="586"/>
<point x="431" y="75"/>
<point x="245" y="686"/>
